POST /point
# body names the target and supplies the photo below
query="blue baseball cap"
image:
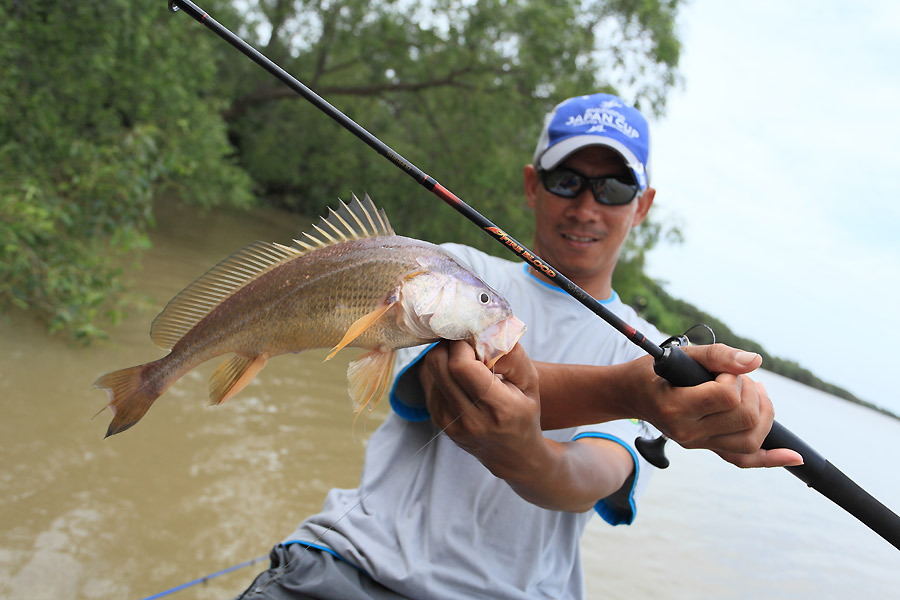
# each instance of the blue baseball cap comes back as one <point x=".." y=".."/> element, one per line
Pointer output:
<point x="595" y="120"/>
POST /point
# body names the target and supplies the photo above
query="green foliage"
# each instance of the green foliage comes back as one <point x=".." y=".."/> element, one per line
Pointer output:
<point x="459" y="88"/>
<point x="103" y="108"/>
<point x="106" y="106"/>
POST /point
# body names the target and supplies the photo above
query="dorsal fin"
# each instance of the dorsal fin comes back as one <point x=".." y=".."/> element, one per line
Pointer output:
<point x="361" y="219"/>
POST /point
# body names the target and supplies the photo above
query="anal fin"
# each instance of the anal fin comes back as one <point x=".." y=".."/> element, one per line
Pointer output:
<point x="233" y="375"/>
<point x="360" y="325"/>
<point x="368" y="377"/>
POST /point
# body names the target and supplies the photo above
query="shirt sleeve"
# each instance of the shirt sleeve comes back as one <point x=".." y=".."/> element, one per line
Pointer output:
<point x="620" y="508"/>
<point x="407" y="396"/>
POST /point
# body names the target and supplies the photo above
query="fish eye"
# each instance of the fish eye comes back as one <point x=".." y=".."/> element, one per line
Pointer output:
<point x="484" y="298"/>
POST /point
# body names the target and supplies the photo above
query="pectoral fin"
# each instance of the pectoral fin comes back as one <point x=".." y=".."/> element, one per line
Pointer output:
<point x="368" y="377"/>
<point x="232" y="376"/>
<point x="361" y="325"/>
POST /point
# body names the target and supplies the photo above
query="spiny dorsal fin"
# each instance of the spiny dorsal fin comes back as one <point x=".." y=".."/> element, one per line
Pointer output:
<point x="361" y="219"/>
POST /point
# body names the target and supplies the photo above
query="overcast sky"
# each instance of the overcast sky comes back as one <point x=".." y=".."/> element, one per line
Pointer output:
<point x="780" y="158"/>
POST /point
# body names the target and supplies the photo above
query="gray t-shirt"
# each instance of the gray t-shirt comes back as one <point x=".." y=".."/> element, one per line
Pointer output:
<point x="430" y="521"/>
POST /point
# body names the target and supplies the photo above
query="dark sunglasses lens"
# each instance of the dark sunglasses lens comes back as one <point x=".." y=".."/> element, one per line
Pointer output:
<point x="606" y="190"/>
<point x="563" y="183"/>
<point x="614" y="192"/>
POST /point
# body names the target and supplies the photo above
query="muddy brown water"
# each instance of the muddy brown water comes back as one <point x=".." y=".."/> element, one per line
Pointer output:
<point x="181" y="494"/>
<point x="192" y="489"/>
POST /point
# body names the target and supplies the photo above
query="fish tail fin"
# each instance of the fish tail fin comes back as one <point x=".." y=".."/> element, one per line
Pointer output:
<point x="129" y="399"/>
<point x="368" y="377"/>
<point x="233" y="375"/>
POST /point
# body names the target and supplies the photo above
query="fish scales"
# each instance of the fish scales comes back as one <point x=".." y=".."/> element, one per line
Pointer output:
<point x="370" y="289"/>
<point x="311" y="301"/>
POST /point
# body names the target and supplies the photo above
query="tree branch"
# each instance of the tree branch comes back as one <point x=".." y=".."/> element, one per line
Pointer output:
<point x="243" y="104"/>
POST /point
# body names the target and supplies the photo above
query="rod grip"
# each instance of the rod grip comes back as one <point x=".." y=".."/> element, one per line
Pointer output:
<point x="679" y="369"/>
<point x="814" y="464"/>
<point x="822" y="476"/>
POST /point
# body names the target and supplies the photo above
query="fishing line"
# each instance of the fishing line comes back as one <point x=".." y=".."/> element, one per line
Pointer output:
<point x="308" y="546"/>
<point x="206" y="578"/>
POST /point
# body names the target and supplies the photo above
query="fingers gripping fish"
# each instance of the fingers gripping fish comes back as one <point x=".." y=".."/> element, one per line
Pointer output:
<point x="352" y="283"/>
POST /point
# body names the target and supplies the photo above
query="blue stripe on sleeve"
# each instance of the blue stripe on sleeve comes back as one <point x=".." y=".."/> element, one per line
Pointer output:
<point x="309" y="545"/>
<point x="416" y="414"/>
<point x="610" y="514"/>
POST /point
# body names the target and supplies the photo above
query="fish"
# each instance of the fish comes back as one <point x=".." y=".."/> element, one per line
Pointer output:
<point x="352" y="282"/>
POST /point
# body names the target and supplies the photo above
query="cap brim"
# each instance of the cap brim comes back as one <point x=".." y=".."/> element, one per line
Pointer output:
<point x="562" y="150"/>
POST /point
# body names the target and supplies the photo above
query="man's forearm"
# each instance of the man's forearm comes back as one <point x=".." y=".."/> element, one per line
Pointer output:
<point x="565" y="476"/>
<point x="573" y="395"/>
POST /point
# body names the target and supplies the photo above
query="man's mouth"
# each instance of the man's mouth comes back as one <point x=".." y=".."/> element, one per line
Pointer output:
<point x="583" y="239"/>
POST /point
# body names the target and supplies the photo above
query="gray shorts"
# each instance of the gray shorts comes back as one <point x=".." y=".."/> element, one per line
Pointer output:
<point x="300" y="572"/>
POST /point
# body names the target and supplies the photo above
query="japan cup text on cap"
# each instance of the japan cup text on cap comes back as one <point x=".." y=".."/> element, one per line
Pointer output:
<point x="596" y="120"/>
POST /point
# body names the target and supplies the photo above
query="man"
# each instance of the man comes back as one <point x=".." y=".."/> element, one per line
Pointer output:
<point x="462" y="494"/>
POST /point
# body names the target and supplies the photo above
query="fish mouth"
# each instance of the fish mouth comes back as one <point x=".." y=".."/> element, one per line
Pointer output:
<point x="498" y="339"/>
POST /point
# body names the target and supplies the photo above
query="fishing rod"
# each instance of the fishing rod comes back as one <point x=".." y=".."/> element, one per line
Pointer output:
<point x="670" y="362"/>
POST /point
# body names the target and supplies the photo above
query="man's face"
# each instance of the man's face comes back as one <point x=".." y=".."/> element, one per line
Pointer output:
<point x="579" y="236"/>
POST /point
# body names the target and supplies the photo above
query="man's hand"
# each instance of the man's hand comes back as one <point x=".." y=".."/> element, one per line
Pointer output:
<point x="496" y="417"/>
<point x="730" y="416"/>
<point x="492" y="417"/>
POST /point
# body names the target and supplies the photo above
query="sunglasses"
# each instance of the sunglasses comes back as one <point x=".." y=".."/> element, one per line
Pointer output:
<point x="568" y="183"/>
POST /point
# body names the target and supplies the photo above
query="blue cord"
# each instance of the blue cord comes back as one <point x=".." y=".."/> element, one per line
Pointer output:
<point x="183" y="586"/>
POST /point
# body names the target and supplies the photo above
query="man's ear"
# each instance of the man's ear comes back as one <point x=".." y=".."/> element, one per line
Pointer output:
<point x="644" y="203"/>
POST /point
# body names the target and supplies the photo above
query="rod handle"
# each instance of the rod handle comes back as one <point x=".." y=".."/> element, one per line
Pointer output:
<point x="679" y="369"/>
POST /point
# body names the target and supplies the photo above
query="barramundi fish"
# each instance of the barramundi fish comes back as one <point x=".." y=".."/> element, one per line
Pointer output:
<point x="352" y="283"/>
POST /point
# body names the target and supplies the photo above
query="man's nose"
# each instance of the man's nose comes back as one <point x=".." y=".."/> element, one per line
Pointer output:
<point x="584" y="207"/>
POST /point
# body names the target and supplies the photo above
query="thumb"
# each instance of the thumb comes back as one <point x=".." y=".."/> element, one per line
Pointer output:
<point x="719" y="358"/>
<point x="518" y="369"/>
